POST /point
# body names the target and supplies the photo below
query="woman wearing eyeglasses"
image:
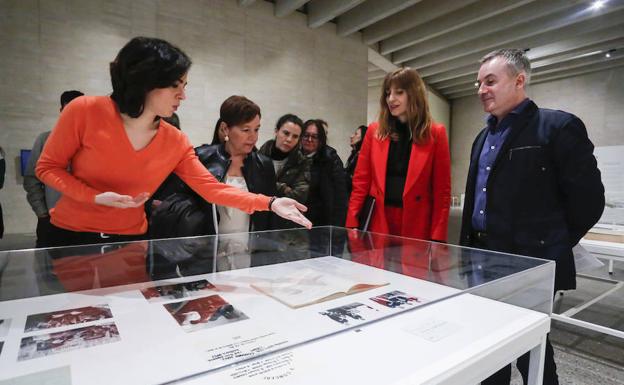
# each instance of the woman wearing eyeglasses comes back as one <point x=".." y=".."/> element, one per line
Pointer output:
<point x="327" y="200"/>
<point x="404" y="164"/>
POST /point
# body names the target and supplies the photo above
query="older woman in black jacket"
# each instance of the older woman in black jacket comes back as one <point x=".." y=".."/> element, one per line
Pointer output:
<point x="327" y="199"/>
<point x="233" y="162"/>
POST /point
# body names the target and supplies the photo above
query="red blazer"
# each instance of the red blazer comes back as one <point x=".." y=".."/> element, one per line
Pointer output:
<point x="427" y="193"/>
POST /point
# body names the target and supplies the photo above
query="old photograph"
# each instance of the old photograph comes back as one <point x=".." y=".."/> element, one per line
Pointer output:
<point x="351" y="314"/>
<point x="176" y="290"/>
<point x="67" y="317"/>
<point x="59" y="342"/>
<point x="397" y="300"/>
<point x="205" y="312"/>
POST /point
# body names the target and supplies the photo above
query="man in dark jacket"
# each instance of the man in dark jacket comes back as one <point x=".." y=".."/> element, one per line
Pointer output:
<point x="533" y="184"/>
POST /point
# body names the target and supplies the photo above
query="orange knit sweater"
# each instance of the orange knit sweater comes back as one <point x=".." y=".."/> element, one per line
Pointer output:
<point x="91" y="139"/>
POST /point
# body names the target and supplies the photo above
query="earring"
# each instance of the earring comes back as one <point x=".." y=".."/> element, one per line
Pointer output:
<point x="227" y="138"/>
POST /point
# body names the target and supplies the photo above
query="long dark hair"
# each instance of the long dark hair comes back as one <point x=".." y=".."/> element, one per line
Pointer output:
<point x="363" y="130"/>
<point x="142" y="65"/>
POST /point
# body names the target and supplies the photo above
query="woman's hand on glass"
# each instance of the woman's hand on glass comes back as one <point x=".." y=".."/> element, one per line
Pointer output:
<point x="113" y="199"/>
<point x="291" y="209"/>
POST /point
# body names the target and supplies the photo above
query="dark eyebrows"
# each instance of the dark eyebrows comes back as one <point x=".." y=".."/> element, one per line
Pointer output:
<point x="486" y="77"/>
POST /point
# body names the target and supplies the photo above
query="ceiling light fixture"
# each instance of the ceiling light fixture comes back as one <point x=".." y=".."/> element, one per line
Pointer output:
<point x="596" y="5"/>
<point x="609" y="53"/>
<point x="476" y="84"/>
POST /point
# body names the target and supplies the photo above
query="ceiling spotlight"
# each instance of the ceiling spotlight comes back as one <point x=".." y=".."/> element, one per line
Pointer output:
<point x="596" y="5"/>
<point x="476" y="84"/>
<point x="609" y="53"/>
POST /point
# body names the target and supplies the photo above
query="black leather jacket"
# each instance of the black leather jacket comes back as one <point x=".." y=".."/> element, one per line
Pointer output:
<point x="184" y="213"/>
<point x="257" y="170"/>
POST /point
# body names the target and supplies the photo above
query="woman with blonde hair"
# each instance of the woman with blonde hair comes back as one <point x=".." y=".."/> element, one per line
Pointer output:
<point x="404" y="164"/>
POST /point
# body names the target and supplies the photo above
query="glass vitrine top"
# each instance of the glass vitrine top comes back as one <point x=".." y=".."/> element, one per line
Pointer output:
<point x="225" y="299"/>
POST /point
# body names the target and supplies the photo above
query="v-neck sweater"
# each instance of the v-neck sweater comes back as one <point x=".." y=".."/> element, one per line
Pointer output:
<point x="90" y="137"/>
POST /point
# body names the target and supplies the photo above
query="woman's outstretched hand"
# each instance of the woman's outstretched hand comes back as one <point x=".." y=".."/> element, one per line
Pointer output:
<point x="291" y="209"/>
<point x="113" y="199"/>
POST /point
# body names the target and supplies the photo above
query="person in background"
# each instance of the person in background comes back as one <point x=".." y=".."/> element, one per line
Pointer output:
<point x="327" y="199"/>
<point x="161" y="192"/>
<point x="235" y="163"/>
<point x="43" y="198"/>
<point x="218" y="136"/>
<point x="533" y="184"/>
<point x="292" y="169"/>
<point x="404" y="164"/>
<point x="357" y="139"/>
<point x="174" y="120"/>
<point x="120" y="151"/>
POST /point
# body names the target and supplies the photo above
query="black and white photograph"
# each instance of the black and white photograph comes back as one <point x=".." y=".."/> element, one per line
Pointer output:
<point x="397" y="300"/>
<point x="59" y="342"/>
<point x="67" y="317"/>
<point x="205" y="312"/>
<point x="4" y="327"/>
<point x="176" y="290"/>
<point x="351" y="314"/>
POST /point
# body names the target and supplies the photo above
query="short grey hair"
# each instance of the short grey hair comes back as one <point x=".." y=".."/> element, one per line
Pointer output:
<point x="516" y="59"/>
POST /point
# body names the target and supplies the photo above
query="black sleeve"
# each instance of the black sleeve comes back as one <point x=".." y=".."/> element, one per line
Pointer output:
<point x="267" y="220"/>
<point x="578" y="178"/>
<point x="466" y="219"/>
<point x="339" y="181"/>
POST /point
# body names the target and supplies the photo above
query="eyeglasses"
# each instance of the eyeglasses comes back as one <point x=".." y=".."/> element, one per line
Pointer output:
<point x="310" y="137"/>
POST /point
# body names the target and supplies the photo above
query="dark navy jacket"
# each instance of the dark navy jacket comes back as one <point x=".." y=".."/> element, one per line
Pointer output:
<point x="544" y="191"/>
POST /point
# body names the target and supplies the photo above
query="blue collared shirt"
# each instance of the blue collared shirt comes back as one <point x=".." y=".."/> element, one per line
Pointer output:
<point x="497" y="132"/>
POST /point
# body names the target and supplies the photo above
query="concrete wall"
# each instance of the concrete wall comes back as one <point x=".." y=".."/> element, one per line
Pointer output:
<point x="51" y="46"/>
<point x="595" y="98"/>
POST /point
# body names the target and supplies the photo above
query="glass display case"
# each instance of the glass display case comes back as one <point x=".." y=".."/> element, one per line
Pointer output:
<point x="235" y="308"/>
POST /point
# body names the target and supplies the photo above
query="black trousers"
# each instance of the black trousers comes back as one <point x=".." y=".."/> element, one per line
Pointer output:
<point x="503" y="376"/>
<point x="43" y="232"/>
<point x="54" y="236"/>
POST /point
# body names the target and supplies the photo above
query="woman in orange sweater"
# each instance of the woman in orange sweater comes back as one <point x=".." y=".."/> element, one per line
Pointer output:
<point x="120" y="151"/>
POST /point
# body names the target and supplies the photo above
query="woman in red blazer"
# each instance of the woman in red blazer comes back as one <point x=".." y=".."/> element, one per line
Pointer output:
<point x="404" y="164"/>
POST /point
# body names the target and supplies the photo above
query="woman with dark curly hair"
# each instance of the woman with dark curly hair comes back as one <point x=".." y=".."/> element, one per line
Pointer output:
<point x="120" y="151"/>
